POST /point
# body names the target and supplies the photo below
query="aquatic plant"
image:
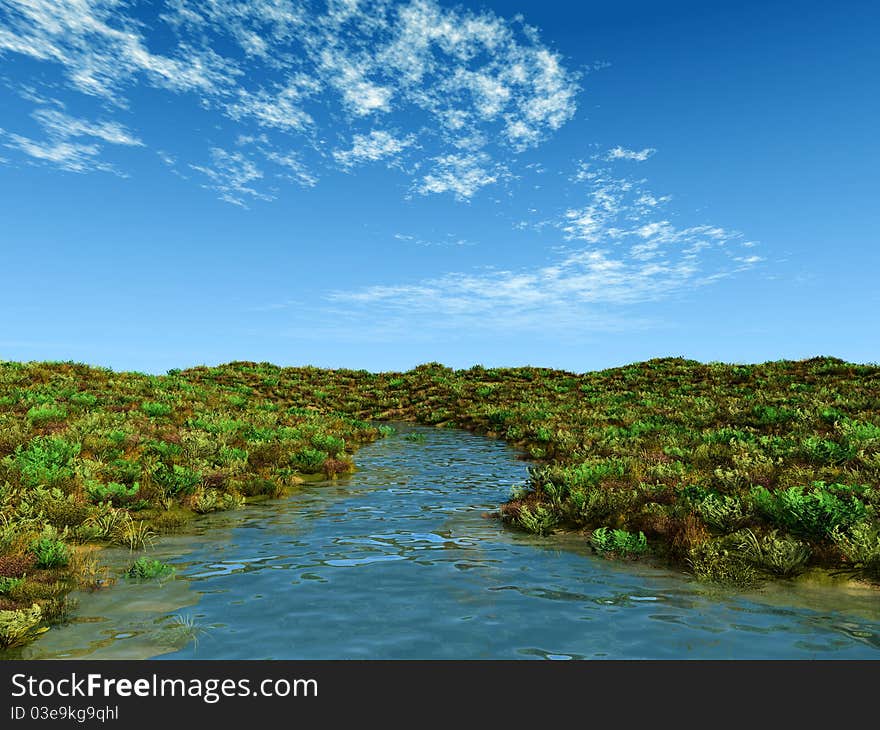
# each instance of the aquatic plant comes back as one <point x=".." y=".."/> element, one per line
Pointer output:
<point x="148" y="569"/>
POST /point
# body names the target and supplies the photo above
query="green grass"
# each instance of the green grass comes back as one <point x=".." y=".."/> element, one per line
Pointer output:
<point x="686" y="454"/>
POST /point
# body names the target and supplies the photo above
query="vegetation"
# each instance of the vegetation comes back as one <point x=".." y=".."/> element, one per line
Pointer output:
<point x="145" y="568"/>
<point x="737" y="471"/>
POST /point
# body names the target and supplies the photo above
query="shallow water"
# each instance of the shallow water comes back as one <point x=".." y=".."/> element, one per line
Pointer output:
<point x="400" y="561"/>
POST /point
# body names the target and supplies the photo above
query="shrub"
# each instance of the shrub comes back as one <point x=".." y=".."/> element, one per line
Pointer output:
<point x="50" y="552"/>
<point x="145" y="568"/>
<point x="780" y="556"/>
<point x="592" y="506"/>
<point x="539" y="520"/>
<point x="720" y="561"/>
<point x="178" y="479"/>
<point x="618" y="542"/>
<point x="860" y="545"/>
<point x="333" y="445"/>
<point x="309" y="461"/>
<point x="39" y="415"/>
<point x="45" y="460"/>
<point x="813" y="512"/>
<point x="826" y="451"/>
<point x="9" y="584"/>
<point x="18" y="627"/>
<point x="724" y="513"/>
<point x="156" y="410"/>
<point x="111" y="492"/>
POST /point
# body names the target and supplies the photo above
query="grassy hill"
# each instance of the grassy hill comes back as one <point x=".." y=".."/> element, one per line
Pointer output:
<point x="739" y="472"/>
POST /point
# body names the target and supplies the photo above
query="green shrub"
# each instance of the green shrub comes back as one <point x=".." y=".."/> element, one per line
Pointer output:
<point x="721" y="561"/>
<point x="39" y="415"/>
<point x="145" y="568"/>
<point x="780" y="556"/>
<point x="811" y="512"/>
<point x="9" y="584"/>
<point x="45" y="460"/>
<point x="156" y="410"/>
<point x="619" y="542"/>
<point x="826" y="451"/>
<point x="333" y="445"/>
<point x="50" y="552"/>
<point x="18" y="627"/>
<point x="309" y="461"/>
<point x="111" y="492"/>
<point x="724" y="513"/>
<point x="860" y="545"/>
<point x="178" y="479"/>
<point x="539" y="520"/>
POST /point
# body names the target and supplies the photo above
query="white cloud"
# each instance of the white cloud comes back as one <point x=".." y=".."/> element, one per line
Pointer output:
<point x="102" y="50"/>
<point x="376" y="145"/>
<point x="281" y="108"/>
<point x="233" y="176"/>
<point x="461" y="175"/>
<point x="60" y="125"/>
<point x="623" y="251"/>
<point x="463" y="81"/>
<point x="620" y="153"/>
<point x="69" y="156"/>
<point x="63" y="147"/>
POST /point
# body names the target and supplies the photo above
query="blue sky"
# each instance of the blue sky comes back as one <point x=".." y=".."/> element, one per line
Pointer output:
<point x="374" y="185"/>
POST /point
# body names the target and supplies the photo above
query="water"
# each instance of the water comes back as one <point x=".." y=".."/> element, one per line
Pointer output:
<point x="400" y="560"/>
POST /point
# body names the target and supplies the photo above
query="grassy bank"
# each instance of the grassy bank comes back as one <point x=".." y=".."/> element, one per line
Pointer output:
<point x="737" y="472"/>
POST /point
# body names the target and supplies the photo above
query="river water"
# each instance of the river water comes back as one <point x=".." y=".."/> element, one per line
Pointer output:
<point x="400" y="560"/>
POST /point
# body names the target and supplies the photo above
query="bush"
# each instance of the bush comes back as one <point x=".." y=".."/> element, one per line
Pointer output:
<point x="814" y="512"/>
<point x="111" y="492"/>
<point x="50" y="552"/>
<point x="618" y="542"/>
<point x="780" y="556"/>
<point x="18" y="627"/>
<point x="9" y="584"/>
<point x="539" y="520"/>
<point x="45" y="460"/>
<point x="724" y="513"/>
<point x="333" y="445"/>
<point x="309" y="461"/>
<point x="145" y="568"/>
<point x="39" y="415"/>
<point x="178" y="479"/>
<point x="156" y="410"/>
<point x="860" y="545"/>
<point x="720" y="561"/>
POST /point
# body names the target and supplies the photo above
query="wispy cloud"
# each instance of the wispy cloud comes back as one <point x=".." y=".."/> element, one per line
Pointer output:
<point x="475" y="89"/>
<point x="620" y="153"/>
<point x="71" y="143"/>
<point x="376" y="145"/>
<point x="233" y="176"/>
<point x="621" y="250"/>
<point x="461" y="174"/>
